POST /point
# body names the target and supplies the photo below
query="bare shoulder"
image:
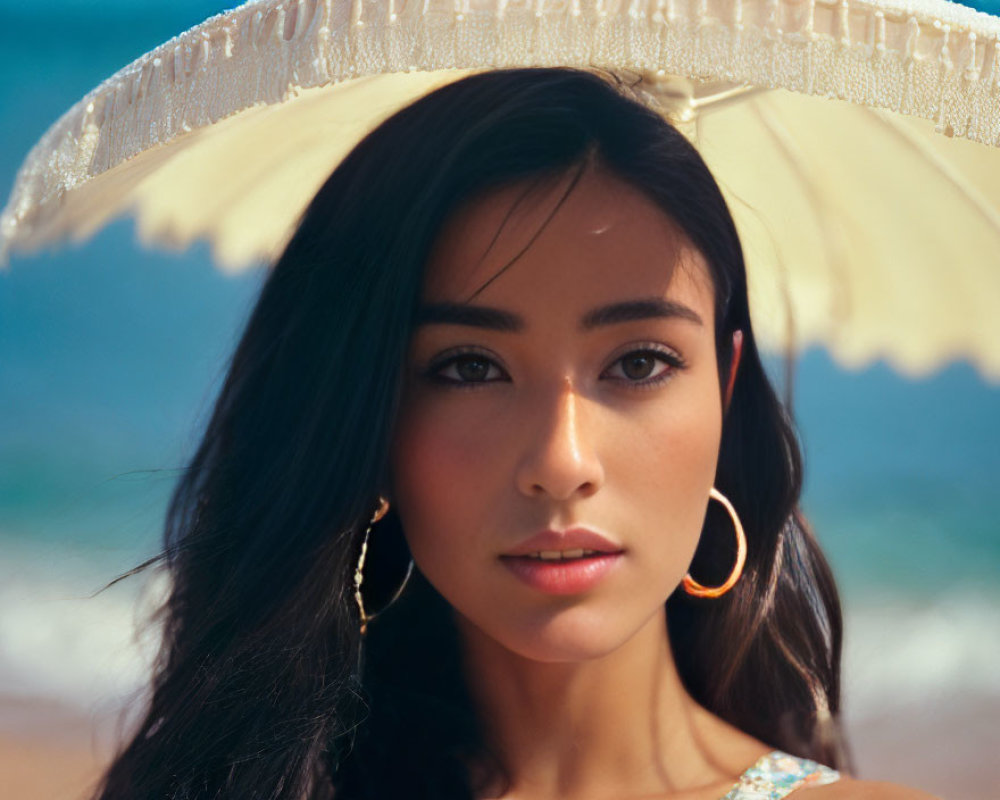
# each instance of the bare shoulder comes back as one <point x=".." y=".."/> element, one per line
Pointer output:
<point x="853" y="789"/>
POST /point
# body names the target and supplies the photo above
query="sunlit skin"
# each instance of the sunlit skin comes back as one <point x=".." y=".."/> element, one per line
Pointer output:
<point x="550" y="426"/>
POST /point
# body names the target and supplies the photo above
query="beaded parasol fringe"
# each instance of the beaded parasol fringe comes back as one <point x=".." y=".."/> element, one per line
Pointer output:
<point x="935" y="60"/>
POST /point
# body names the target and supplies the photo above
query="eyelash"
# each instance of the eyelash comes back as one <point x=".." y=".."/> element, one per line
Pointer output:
<point x="453" y="356"/>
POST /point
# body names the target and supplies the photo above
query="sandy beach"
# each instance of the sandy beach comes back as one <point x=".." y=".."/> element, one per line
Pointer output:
<point x="33" y="770"/>
<point x="947" y="748"/>
<point x="51" y="752"/>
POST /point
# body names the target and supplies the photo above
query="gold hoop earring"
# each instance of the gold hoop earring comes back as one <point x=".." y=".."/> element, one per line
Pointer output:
<point x="691" y="586"/>
<point x="382" y="510"/>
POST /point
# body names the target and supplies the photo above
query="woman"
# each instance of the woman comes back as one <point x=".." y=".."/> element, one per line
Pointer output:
<point x="510" y="339"/>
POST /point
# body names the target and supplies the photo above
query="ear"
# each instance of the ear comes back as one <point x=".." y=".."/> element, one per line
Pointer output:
<point x="734" y="366"/>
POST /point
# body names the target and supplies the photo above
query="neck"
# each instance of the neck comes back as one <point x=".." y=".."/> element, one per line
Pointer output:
<point x="612" y="726"/>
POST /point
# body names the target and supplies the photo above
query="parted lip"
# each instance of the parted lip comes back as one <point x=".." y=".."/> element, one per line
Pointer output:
<point x="570" y="539"/>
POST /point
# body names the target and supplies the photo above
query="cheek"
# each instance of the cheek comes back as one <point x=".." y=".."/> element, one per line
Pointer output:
<point x="665" y="467"/>
<point x="438" y="479"/>
<point x="682" y="452"/>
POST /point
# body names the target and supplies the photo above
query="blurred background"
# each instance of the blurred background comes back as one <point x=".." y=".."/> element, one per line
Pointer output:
<point x="110" y="357"/>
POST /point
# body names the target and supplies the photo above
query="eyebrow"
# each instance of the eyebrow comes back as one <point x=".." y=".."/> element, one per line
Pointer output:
<point x="499" y="320"/>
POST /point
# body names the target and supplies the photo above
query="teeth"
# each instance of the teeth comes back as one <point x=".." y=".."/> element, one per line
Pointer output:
<point x="560" y="555"/>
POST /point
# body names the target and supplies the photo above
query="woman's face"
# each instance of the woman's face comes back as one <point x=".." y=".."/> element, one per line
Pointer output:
<point x="583" y="393"/>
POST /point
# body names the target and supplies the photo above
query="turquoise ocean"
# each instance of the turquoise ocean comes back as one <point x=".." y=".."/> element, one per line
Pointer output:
<point x="111" y="354"/>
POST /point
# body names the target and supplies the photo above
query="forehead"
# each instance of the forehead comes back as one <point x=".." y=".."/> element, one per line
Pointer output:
<point x="530" y="241"/>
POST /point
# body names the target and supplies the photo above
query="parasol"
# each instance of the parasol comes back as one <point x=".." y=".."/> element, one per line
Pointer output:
<point x="857" y="143"/>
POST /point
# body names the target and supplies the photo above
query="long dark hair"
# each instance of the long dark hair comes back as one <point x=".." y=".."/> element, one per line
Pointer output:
<point x="258" y="690"/>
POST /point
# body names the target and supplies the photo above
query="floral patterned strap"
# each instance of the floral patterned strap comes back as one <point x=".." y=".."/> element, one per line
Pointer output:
<point x="777" y="774"/>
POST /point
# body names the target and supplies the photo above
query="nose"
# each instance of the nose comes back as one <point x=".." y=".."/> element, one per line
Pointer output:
<point x="559" y="459"/>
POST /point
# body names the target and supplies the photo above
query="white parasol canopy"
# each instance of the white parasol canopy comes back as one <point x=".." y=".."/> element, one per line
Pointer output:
<point x="857" y="143"/>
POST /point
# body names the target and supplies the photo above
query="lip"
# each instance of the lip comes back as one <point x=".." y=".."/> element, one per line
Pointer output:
<point x="578" y="538"/>
<point x="563" y="577"/>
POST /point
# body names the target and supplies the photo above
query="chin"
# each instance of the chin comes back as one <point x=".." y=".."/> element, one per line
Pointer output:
<point x="565" y="636"/>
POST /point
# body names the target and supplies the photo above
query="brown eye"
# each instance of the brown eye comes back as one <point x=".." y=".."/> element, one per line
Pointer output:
<point x="646" y="367"/>
<point x="466" y="370"/>
<point x="471" y="368"/>
<point x="638" y="366"/>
